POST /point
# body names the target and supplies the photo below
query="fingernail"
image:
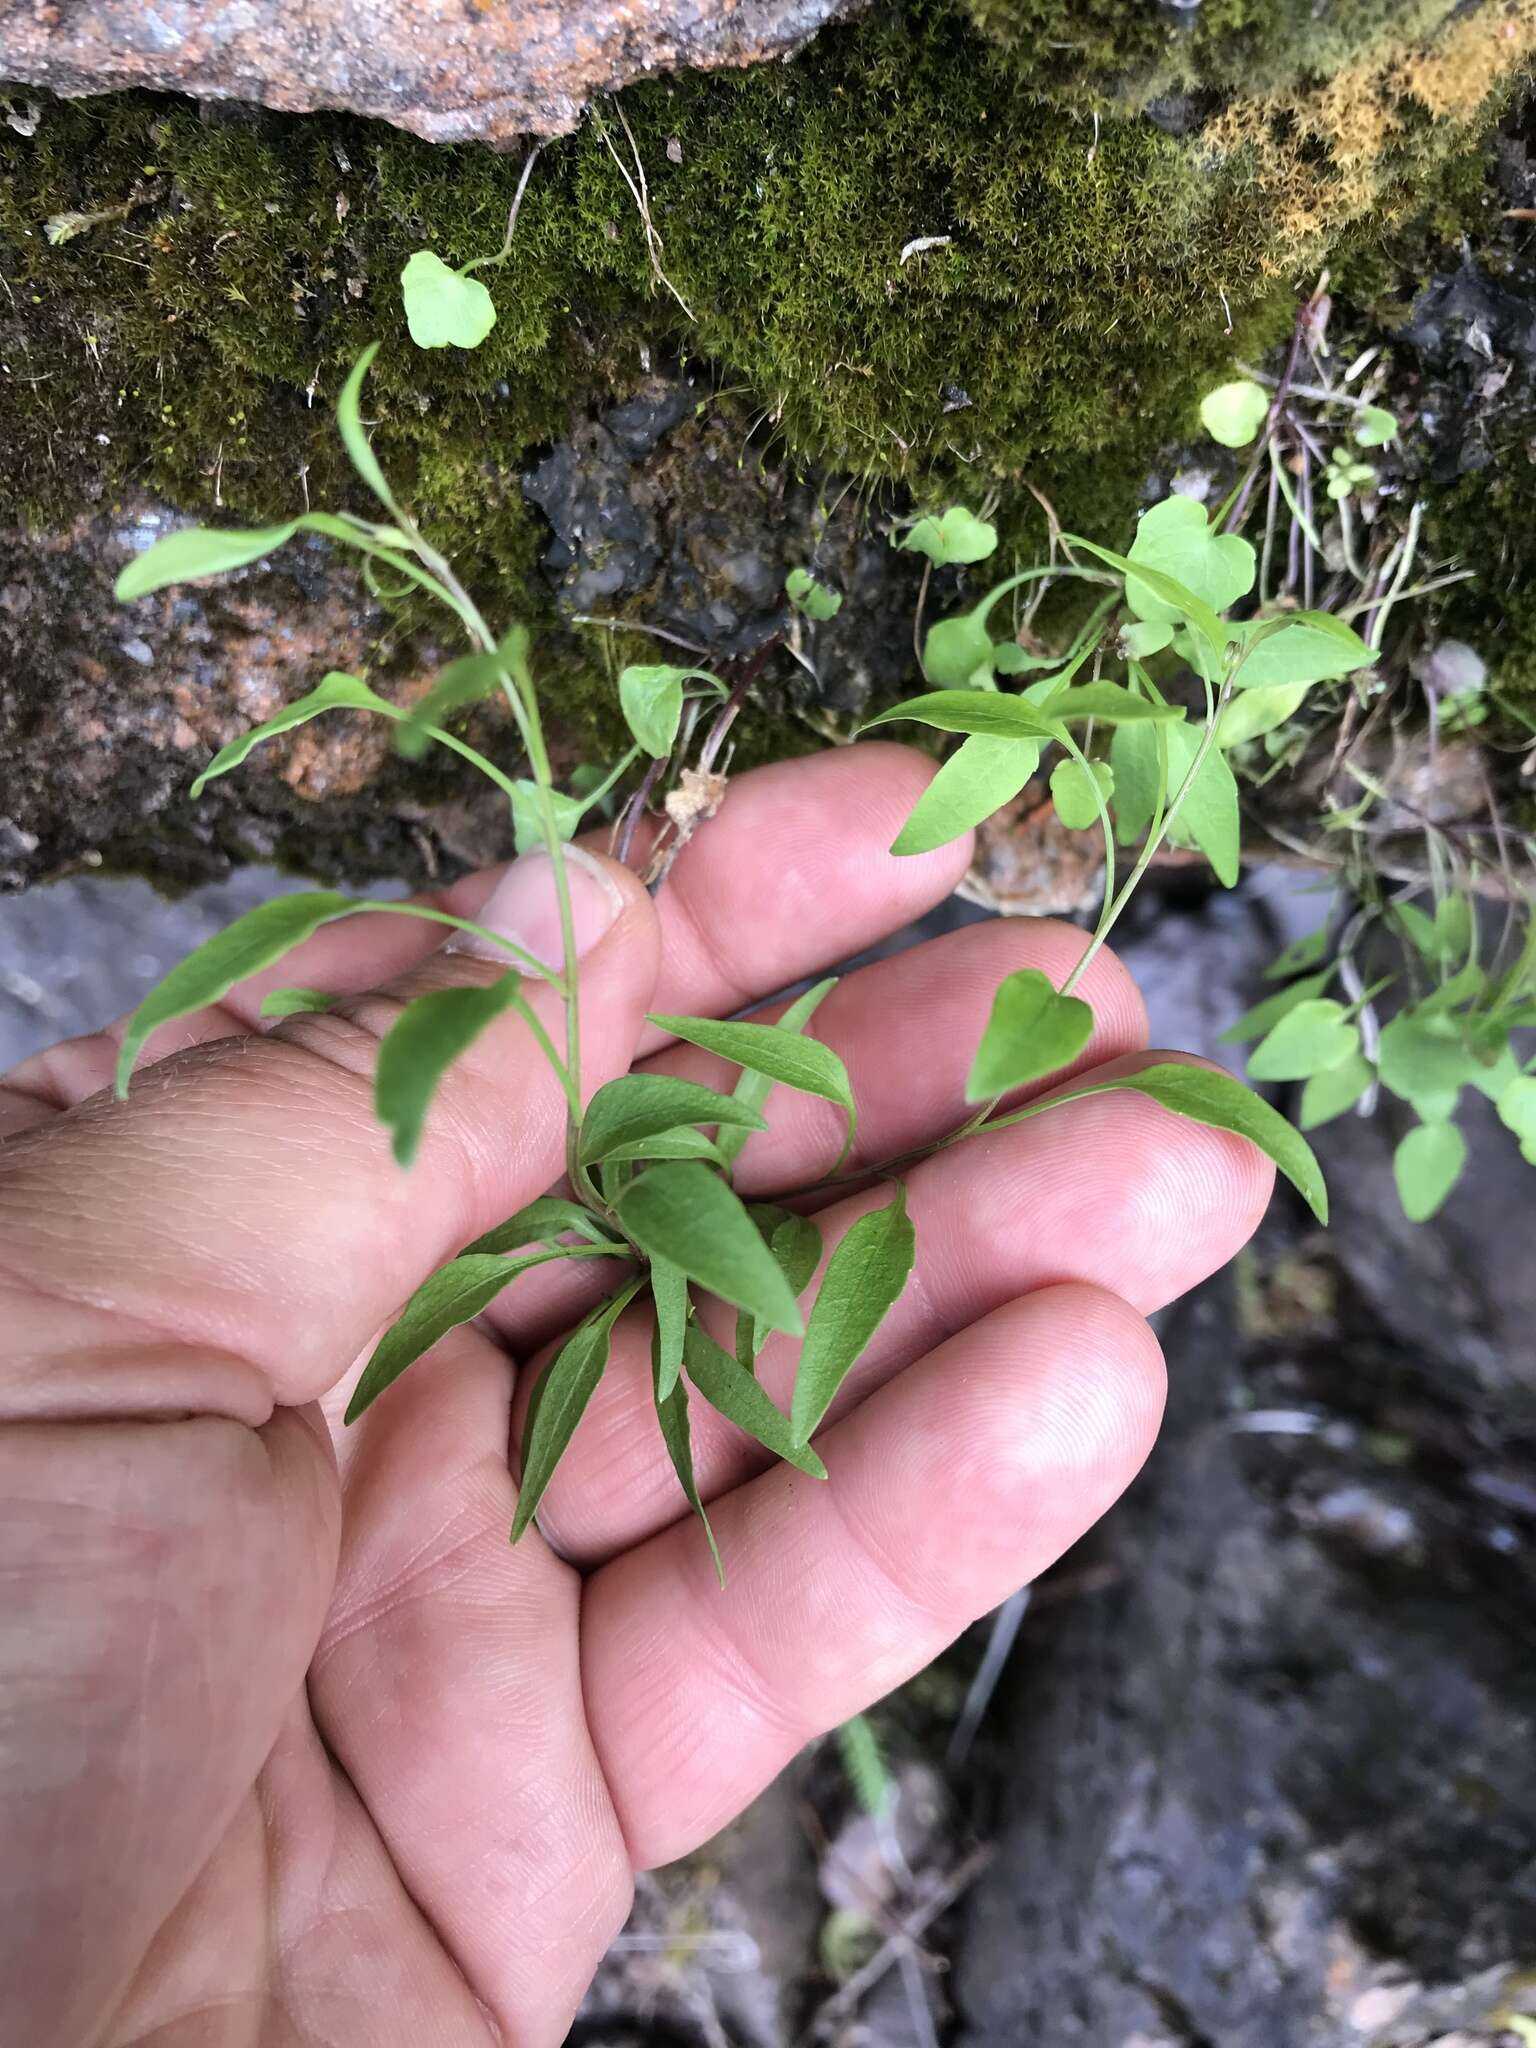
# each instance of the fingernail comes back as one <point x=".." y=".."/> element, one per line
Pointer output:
<point x="523" y="907"/>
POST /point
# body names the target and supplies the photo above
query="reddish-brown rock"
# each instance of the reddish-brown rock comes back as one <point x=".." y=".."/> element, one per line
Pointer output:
<point x="449" y="70"/>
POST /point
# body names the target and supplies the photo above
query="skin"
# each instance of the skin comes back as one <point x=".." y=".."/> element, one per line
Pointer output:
<point x="294" y="1748"/>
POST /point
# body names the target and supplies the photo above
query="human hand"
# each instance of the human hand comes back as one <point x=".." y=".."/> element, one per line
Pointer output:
<point x="296" y="1747"/>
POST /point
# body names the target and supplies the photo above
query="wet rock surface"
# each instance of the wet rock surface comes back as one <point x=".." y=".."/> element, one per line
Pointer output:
<point x="108" y="711"/>
<point x="449" y="70"/>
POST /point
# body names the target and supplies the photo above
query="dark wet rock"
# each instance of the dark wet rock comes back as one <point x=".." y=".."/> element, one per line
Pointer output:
<point x="663" y="513"/>
<point x="1272" y="1789"/>
<point x="108" y="711"/>
<point x="449" y="70"/>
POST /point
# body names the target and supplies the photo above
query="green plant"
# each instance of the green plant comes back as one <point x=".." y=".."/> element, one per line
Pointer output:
<point x="649" y="1158"/>
<point x="1453" y="1023"/>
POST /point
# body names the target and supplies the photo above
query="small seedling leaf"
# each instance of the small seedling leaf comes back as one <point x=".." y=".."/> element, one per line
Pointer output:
<point x="1233" y="413"/>
<point x="1426" y="1061"/>
<point x="296" y="1002"/>
<point x="1426" y="1166"/>
<point x="958" y="650"/>
<point x="1312" y="1036"/>
<point x="864" y="1276"/>
<point x="811" y="598"/>
<point x="443" y="307"/>
<point x="651" y="699"/>
<point x="954" y="537"/>
<point x="1329" y="1093"/>
<point x="1375" y="426"/>
<point x="1077" y="789"/>
<point x="1145" y="636"/>
<point x="1263" y="1017"/>
<point x="528" y="816"/>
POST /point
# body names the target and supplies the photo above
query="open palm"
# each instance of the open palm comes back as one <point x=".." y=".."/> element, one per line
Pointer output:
<point x="296" y="1747"/>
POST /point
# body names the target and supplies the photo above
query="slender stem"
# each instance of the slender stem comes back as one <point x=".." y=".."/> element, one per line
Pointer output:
<point x="1106" y="908"/>
<point x="917" y="617"/>
<point x="517" y="199"/>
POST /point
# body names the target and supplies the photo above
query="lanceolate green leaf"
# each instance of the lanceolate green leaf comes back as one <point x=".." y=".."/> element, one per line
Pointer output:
<point x="672" y="1414"/>
<point x="684" y="1142"/>
<point x="1208" y="1097"/>
<point x="1032" y="1030"/>
<point x="684" y="1213"/>
<point x="251" y="943"/>
<point x="986" y="711"/>
<point x="422" y="1044"/>
<point x="980" y="777"/>
<point x="803" y="1063"/>
<point x="864" y="1276"/>
<point x="559" y="1401"/>
<point x="334" y="692"/>
<point x="796" y="1245"/>
<point x="465" y="681"/>
<point x="752" y="1090"/>
<point x="638" y="1106"/>
<point x="740" y="1399"/>
<point x="454" y="1294"/>
<point x="541" y="1222"/>
<point x="669" y="1296"/>
<point x="1004" y="717"/>
<point x="1427" y="1165"/>
<point x="349" y="423"/>
<point x="198" y="551"/>
<point x="1225" y="1104"/>
<point x="1109" y="704"/>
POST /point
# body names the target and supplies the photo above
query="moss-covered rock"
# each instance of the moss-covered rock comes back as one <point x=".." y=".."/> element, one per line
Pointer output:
<point x="916" y="259"/>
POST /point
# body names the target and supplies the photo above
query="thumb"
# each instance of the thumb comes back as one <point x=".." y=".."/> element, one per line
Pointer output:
<point x="231" y="1236"/>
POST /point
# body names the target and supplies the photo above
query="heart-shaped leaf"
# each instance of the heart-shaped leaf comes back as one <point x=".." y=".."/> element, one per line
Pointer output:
<point x="955" y="536"/>
<point x="811" y="598"/>
<point x="1176" y="538"/>
<point x="1033" y="1030"/>
<point x="1233" y="413"/>
<point x="1313" y="1036"/>
<point x="444" y="308"/>
<point x="1077" y="789"/>
<point x="1426" y="1166"/>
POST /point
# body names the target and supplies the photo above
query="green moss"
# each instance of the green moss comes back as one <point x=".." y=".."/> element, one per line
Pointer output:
<point x="1087" y="279"/>
<point x="1113" y="55"/>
